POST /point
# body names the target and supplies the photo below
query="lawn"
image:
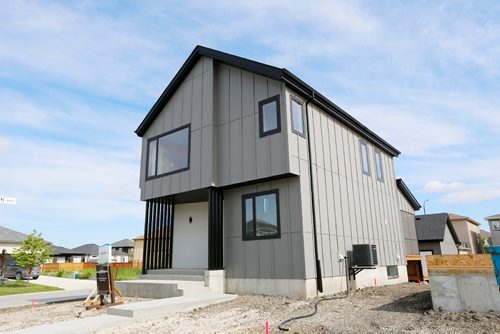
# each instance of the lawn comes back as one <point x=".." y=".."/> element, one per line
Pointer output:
<point x="19" y="287"/>
<point x="124" y="274"/>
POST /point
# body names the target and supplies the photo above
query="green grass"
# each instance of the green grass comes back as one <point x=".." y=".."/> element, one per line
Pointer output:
<point x="124" y="274"/>
<point x="19" y="287"/>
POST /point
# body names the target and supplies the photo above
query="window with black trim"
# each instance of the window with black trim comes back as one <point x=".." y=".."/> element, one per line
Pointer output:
<point x="261" y="218"/>
<point x="169" y="153"/>
<point x="378" y="166"/>
<point x="269" y="116"/>
<point x="297" y="111"/>
<point x="365" y="161"/>
<point x="392" y="272"/>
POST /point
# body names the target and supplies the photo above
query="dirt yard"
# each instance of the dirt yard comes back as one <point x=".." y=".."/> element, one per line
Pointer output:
<point x="403" y="308"/>
<point x="28" y="316"/>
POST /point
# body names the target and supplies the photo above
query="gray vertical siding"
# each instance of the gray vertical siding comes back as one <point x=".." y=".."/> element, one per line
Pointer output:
<point x="407" y="216"/>
<point x="351" y="207"/>
<point x="243" y="155"/>
<point x="191" y="104"/>
<point x="270" y="258"/>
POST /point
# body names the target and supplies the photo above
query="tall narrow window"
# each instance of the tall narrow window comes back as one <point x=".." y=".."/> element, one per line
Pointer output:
<point x="261" y="215"/>
<point x="365" y="161"/>
<point x="297" y="117"/>
<point x="269" y="116"/>
<point x="378" y="166"/>
<point x="169" y="152"/>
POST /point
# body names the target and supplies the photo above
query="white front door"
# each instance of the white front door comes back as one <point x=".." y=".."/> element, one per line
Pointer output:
<point x="190" y="241"/>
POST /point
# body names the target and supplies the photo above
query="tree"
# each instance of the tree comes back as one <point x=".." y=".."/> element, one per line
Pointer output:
<point x="33" y="252"/>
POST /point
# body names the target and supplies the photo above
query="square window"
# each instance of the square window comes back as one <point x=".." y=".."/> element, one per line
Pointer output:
<point x="378" y="166"/>
<point x="261" y="215"/>
<point x="392" y="272"/>
<point x="365" y="161"/>
<point x="297" y="111"/>
<point x="169" y="152"/>
<point x="269" y="116"/>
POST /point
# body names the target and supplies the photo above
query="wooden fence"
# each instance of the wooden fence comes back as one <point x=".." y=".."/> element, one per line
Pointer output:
<point x="70" y="266"/>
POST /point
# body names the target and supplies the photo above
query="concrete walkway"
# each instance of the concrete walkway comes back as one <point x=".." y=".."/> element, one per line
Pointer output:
<point x="122" y="315"/>
<point x="73" y="290"/>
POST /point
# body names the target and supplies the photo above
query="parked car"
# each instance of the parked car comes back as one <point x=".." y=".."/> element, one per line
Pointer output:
<point x="12" y="270"/>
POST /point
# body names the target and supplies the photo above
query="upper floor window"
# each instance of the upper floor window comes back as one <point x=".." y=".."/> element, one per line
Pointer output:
<point x="297" y="111"/>
<point x="261" y="219"/>
<point x="269" y="116"/>
<point x="169" y="153"/>
<point x="378" y="166"/>
<point x="365" y="161"/>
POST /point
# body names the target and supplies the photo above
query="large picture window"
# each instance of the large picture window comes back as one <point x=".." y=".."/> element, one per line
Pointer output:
<point x="297" y="117"/>
<point x="169" y="152"/>
<point x="365" y="161"/>
<point x="261" y="219"/>
<point x="269" y="116"/>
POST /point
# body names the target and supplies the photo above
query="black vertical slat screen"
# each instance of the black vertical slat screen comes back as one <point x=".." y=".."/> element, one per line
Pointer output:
<point x="158" y="234"/>
<point x="215" y="229"/>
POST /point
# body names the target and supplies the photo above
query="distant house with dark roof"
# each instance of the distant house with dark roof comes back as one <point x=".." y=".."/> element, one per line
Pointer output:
<point x="10" y="239"/>
<point x="125" y="245"/>
<point x="90" y="253"/>
<point x="436" y="234"/>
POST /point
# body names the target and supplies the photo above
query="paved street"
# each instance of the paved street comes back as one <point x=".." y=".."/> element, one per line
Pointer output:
<point x="73" y="289"/>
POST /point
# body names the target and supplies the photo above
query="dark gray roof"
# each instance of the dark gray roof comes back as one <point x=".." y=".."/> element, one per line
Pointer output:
<point x="123" y="243"/>
<point x="405" y="191"/>
<point x="87" y="249"/>
<point x="432" y="227"/>
<point x="10" y="236"/>
<point x="281" y="74"/>
<point x="58" y="250"/>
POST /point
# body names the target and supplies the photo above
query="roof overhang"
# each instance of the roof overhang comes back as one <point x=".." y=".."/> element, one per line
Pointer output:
<point x="405" y="191"/>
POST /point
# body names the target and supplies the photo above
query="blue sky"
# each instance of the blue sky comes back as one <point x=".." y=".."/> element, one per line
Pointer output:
<point x="76" y="79"/>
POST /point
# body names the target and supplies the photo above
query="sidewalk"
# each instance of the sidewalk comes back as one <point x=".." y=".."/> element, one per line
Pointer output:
<point x="73" y="290"/>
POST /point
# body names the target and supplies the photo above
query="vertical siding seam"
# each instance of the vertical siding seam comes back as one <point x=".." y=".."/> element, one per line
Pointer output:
<point x="329" y="123"/>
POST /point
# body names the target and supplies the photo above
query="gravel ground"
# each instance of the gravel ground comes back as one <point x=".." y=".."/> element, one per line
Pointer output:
<point x="404" y="308"/>
<point x="41" y="314"/>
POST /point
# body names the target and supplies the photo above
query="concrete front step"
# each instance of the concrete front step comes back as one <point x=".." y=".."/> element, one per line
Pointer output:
<point x="149" y="289"/>
<point x="189" y="272"/>
<point x="152" y="308"/>
<point x="173" y="277"/>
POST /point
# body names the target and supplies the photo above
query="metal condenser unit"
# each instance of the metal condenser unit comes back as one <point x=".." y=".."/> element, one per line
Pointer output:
<point x="364" y="255"/>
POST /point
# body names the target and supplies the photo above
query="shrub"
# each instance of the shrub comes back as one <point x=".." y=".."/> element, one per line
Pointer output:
<point x="85" y="275"/>
<point x="60" y="273"/>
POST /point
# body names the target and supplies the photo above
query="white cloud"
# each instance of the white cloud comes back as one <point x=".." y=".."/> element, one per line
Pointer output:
<point x="474" y="194"/>
<point x="438" y="186"/>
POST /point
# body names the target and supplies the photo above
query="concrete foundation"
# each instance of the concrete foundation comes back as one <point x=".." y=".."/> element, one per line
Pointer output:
<point x="462" y="283"/>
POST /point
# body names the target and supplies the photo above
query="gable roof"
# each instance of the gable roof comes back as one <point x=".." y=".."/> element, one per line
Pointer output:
<point x="87" y="249"/>
<point x="497" y="216"/>
<point x="10" y="236"/>
<point x="432" y="227"/>
<point x="408" y="195"/>
<point x="280" y="74"/>
<point x="58" y="250"/>
<point x="454" y="216"/>
<point x="123" y="243"/>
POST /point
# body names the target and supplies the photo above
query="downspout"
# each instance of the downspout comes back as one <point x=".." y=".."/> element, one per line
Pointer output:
<point x="319" y="279"/>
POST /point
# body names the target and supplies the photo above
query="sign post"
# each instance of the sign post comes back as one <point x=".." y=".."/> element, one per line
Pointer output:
<point x="7" y="200"/>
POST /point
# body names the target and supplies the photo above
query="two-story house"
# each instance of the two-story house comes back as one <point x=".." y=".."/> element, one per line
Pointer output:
<point x="246" y="168"/>
<point x="469" y="233"/>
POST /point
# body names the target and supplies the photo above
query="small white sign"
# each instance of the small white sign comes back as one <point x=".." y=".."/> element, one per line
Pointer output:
<point x="104" y="254"/>
<point x="7" y="200"/>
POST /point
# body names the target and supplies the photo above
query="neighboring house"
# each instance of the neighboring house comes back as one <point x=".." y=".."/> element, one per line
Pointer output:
<point x="469" y="234"/>
<point x="435" y="233"/>
<point x="10" y="239"/>
<point x="246" y="168"/>
<point x="486" y="238"/>
<point x="125" y="246"/>
<point x="90" y="253"/>
<point x="62" y="255"/>
<point x="138" y="248"/>
<point x="494" y="222"/>
<point x="408" y="204"/>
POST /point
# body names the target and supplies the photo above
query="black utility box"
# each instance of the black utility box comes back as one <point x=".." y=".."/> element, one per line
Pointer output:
<point x="364" y="255"/>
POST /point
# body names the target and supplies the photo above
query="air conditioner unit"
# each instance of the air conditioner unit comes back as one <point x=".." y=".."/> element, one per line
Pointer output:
<point x="364" y="255"/>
